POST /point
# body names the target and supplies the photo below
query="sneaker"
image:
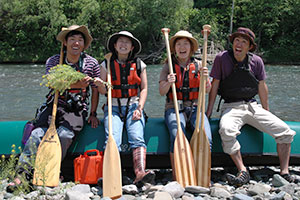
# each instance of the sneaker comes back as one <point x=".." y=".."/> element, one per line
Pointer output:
<point x="240" y="179"/>
<point x="290" y="178"/>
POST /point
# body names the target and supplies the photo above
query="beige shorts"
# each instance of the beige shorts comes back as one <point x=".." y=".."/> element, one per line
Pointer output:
<point x="235" y="115"/>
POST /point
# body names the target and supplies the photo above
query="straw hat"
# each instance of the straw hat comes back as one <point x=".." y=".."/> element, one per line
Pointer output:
<point x="244" y="32"/>
<point x="184" y="34"/>
<point x="83" y="29"/>
<point x="114" y="37"/>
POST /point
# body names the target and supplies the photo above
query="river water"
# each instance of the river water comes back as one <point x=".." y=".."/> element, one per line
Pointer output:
<point x="21" y="93"/>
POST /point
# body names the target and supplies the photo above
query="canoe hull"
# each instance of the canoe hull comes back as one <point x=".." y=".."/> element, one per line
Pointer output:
<point x="254" y="143"/>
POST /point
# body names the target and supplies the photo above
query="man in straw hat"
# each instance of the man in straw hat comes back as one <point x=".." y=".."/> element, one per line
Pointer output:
<point x="186" y="77"/>
<point x="72" y="107"/>
<point x="238" y="75"/>
<point x="129" y="93"/>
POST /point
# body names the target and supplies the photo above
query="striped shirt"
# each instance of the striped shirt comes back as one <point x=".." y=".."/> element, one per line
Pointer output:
<point x="90" y="66"/>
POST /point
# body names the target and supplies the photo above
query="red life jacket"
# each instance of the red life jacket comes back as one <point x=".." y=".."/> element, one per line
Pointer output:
<point x="187" y="82"/>
<point x="125" y="79"/>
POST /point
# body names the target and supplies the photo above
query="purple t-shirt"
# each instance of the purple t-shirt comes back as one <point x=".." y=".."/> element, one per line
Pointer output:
<point x="223" y="66"/>
<point x="90" y="66"/>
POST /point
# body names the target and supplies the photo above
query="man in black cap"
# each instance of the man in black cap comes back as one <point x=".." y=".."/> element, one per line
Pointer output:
<point x="238" y="75"/>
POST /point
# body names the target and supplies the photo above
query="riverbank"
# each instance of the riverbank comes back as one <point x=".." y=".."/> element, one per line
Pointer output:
<point x="265" y="183"/>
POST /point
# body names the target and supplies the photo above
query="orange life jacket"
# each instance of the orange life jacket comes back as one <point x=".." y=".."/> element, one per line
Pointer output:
<point x="125" y="79"/>
<point x="187" y="82"/>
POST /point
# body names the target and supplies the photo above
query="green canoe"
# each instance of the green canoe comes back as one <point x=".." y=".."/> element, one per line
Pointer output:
<point x="257" y="148"/>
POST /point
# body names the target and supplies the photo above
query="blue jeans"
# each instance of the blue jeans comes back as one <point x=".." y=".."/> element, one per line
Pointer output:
<point x="185" y="117"/>
<point x="134" y="128"/>
<point x="30" y="148"/>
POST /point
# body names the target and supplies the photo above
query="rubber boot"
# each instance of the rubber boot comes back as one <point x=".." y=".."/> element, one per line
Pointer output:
<point x="173" y="166"/>
<point x="139" y="165"/>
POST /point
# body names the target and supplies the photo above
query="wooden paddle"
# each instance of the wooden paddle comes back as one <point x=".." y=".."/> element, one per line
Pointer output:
<point x="48" y="156"/>
<point x="183" y="158"/>
<point x="112" y="177"/>
<point x="199" y="142"/>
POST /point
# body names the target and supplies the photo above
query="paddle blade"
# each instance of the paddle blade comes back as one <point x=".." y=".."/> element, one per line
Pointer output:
<point x="183" y="161"/>
<point x="112" y="177"/>
<point x="48" y="160"/>
<point x="202" y="157"/>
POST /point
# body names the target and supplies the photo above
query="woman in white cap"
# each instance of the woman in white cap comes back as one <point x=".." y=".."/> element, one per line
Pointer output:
<point x="129" y="93"/>
<point x="186" y="77"/>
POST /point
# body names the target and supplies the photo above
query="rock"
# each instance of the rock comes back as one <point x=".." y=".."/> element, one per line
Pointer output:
<point x="76" y="195"/>
<point x="259" y="188"/>
<point x="96" y="198"/>
<point x="219" y="192"/>
<point x="279" y="181"/>
<point x="290" y="188"/>
<point x="127" y="197"/>
<point x="130" y="189"/>
<point x="83" y="188"/>
<point x="162" y="196"/>
<point x="154" y="188"/>
<point x="174" y="188"/>
<point x="241" y="197"/>
<point x="198" y="198"/>
<point x="187" y="197"/>
<point x="278" y="196"/>
<point x="197" y="190"/>
<point x="32" y="195"/>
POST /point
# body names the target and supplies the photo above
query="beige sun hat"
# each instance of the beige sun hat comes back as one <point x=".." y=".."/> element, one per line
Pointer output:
<point x="83" y="29"/>
<point x="114" y="37"/>
<point x="184" y="34"/>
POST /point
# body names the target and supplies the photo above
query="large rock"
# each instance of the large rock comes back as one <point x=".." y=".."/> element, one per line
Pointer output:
<point x="279" y="181"/>
<point x="174" y="188"/>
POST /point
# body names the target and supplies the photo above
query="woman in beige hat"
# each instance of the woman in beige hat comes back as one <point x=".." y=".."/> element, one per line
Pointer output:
<point x="186" y="77"/>
<point x="129" y="93"/>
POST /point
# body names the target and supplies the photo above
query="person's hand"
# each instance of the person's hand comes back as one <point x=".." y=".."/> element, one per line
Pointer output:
<point x="208" y="113"/>
<point x="94" y="121"/>
<point x="205" y="71"/>
<point x="171" y="78"/>
<point x="98" y="82"/>
<point x="83" y="83"/>
<point x="137" y="114"/>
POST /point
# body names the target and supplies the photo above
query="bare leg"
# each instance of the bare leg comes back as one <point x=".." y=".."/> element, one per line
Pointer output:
<point x="243" y="175"/>
<point x="238" y="161"/>
<point x="284" y="151"/>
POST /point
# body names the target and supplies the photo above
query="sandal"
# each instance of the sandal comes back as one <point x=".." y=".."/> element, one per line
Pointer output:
<point x="240" y="179"/>
<point x="290" y="178"/>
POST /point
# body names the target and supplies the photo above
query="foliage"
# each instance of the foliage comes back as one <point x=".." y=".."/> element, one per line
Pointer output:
<point x="61" y="77"/>
<point x="29" y="27"/>
<point x="8" y="170"/>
